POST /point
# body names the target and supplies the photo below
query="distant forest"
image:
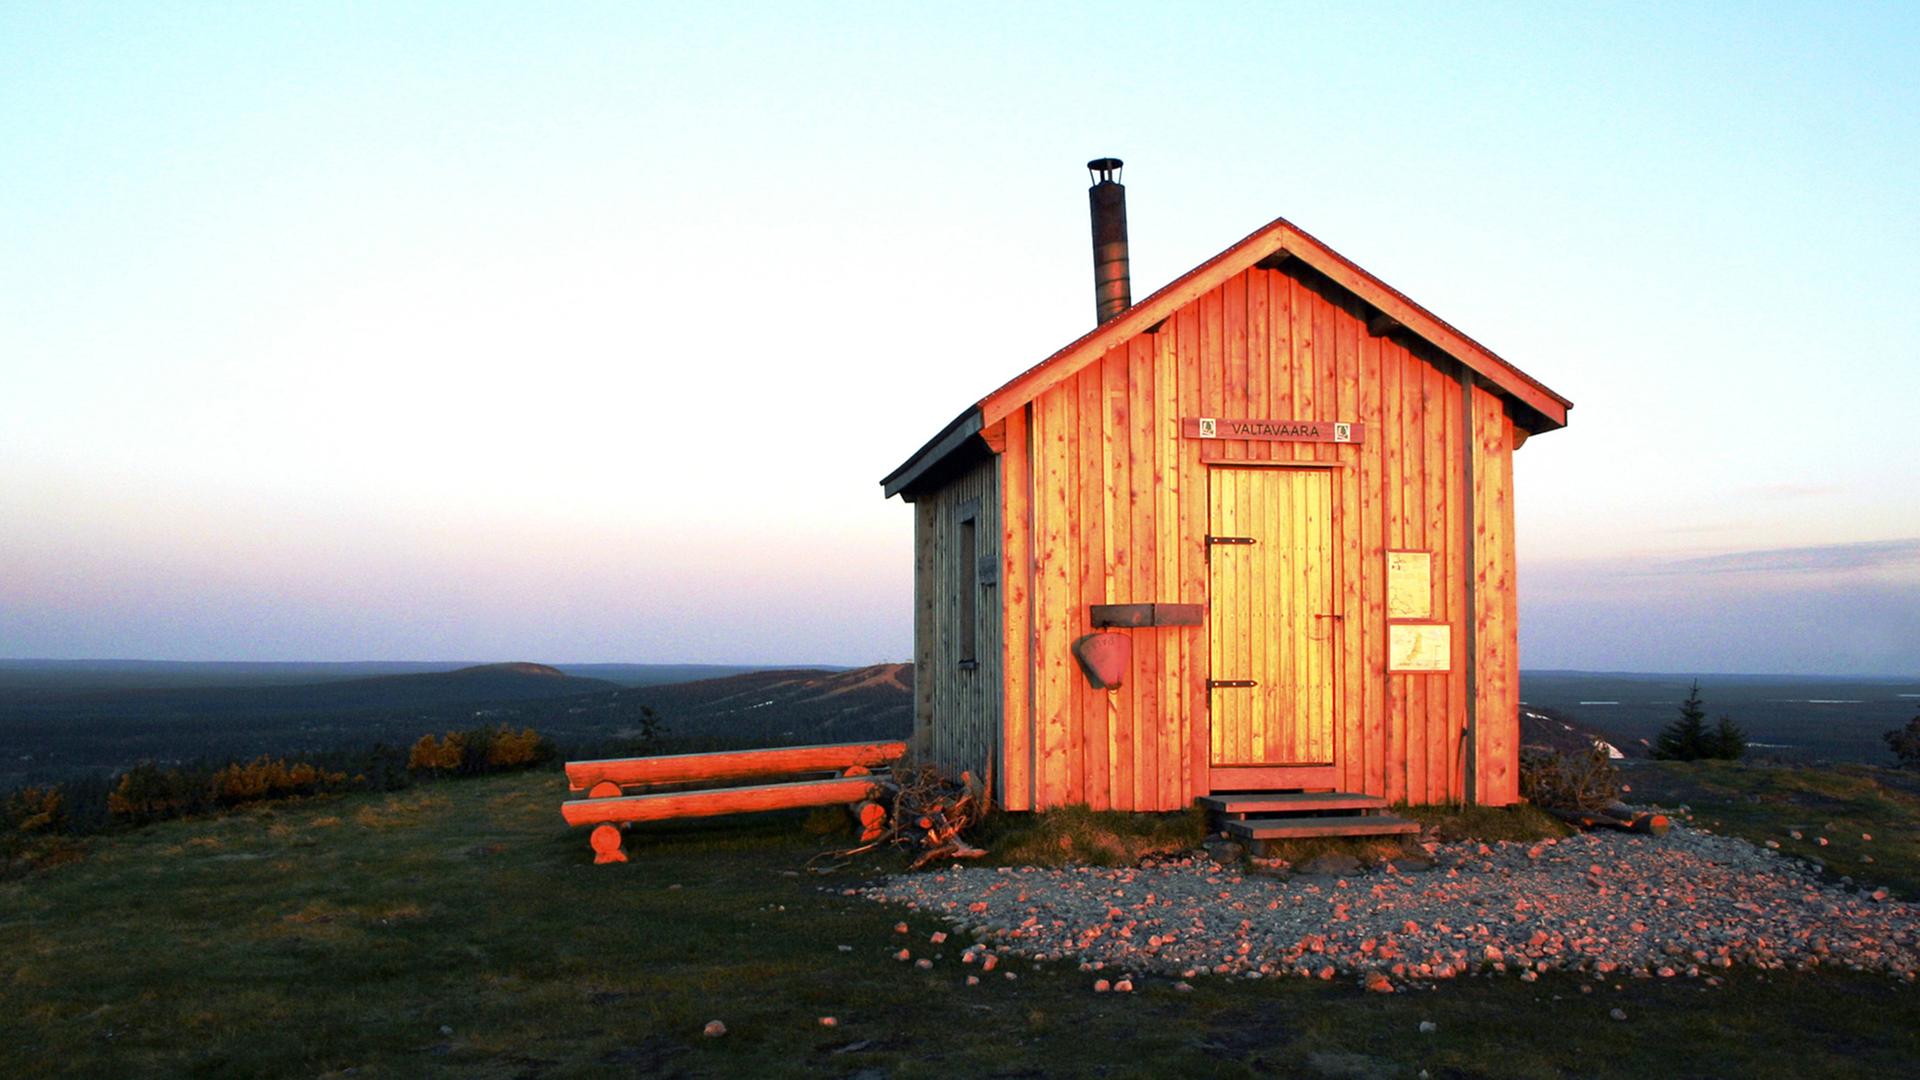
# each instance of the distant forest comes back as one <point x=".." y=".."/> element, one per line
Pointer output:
<point x="59" y="721"/>
<point x="58" y="726"/>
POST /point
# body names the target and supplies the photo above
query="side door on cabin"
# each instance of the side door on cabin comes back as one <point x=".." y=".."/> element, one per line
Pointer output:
<point x="1272" y="619"/>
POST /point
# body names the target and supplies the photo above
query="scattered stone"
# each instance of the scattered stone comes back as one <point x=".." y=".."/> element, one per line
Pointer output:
<point x="1101" y="986"/>
<point x="1123" y="986"/>
<point x="923" y="964"/>
<point x="1428" y="1027"/>
<point x="1378" y="983"/>
<point x="845" y="948"/>
<point x="446" y="1029"/>
<point x="1613" y="904"/>
<point x="1618" y="1014"/>
<point x="714" y="1029"/>
<point x="1183" y="987"/>
<point x="1821" y="840"/>
<point x="899" y="928"/>
<point x="828" y="1021"/>
<point x="903" y="954"/>
<point x="973" y="980"/>
<point x="938" y="936"/>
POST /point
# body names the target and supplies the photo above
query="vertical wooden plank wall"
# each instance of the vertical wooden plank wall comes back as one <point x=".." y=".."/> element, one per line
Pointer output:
<point x="966" y="701"/>
<point x="924" y="592"/>
<point x="1014" y="769"/>
<point x="1497" y="714"/>
<point x="1106" y="503"/>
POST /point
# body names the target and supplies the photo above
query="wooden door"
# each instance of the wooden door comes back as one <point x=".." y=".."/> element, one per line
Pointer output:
<point x="1272" y="620"/>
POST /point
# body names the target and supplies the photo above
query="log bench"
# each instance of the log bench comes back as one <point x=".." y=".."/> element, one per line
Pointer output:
<point x="608" y="806"/>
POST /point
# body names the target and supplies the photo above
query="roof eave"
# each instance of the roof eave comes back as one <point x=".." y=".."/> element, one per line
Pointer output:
<point x="949" y="439"/>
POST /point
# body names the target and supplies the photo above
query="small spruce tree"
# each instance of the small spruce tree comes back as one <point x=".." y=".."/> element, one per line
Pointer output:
<point x="1685" y="739"/>
<point x="1729" y="741"/>
<point x="652" y="729"/>
<point x="1905" y="744"/>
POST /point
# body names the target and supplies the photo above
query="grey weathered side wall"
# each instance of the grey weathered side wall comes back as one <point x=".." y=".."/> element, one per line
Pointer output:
<point x="957" y="708"/>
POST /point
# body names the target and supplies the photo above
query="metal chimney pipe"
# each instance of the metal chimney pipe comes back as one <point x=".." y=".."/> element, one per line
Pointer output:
<point x="1107" y="200"/>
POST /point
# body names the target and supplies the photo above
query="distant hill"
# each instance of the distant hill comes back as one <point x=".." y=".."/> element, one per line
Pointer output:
<point x="50" y="729"/>
<point x="1548" y="729"/>
<point x="484" y="682"/>
<point x="23" y="679"/>
<point x="659" y="674"/>
<point x="806" y="705"/>
<point x="1787" y="717"/>
<point x="47" y="734"/>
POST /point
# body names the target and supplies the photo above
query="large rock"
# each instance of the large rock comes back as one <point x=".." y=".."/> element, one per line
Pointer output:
<point x="1225" y="852"/>
<point x="1330" y="864"/>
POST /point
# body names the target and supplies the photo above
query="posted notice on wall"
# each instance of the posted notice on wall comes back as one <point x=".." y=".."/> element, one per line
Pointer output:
<point x="1409" y="584"/>
<point x="1414" y="647"/>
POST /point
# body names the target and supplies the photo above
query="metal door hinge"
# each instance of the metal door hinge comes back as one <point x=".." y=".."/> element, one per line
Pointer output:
<point x="1230" y="684"/>
<point x="1212" y="540"/>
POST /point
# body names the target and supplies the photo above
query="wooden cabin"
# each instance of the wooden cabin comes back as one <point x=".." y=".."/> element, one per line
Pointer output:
<point x="1273" y="502"/>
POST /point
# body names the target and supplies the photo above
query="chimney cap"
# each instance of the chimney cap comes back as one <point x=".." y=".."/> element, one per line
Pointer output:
<point x="1104" y="170"/>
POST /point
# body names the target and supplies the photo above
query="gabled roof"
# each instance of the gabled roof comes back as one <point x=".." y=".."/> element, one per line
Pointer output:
<point x="1542" y="409"/>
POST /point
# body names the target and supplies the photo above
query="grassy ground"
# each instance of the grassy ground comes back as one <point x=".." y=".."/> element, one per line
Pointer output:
<point x="460" y="929"/>
<point x="1841" y="803"/>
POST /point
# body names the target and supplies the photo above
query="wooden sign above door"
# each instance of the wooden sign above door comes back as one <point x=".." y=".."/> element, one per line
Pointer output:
<point x="1333" y="431"/>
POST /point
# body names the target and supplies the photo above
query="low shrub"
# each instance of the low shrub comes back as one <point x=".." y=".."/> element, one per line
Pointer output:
<point x="479" y="752"/>
<point x="148" y="793"/>
<point x="1559" y="781"/>
<point x="34" y="810"/>
<point x="92" y="803"/>
<point x="271" y="778"/>
<point x="438" y="755"/>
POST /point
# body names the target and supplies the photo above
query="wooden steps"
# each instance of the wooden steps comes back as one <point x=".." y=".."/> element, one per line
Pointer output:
<point x="1260" y="816"/>
<point x="793" y="770"/>
<point x="1296" y="828"/>
<point x="1252" y="804"/>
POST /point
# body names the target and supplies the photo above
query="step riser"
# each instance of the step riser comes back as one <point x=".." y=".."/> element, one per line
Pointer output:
<point x="1304" y="828"/>
<point x="1220" y="817"/>
<point x="1282" y="805"/>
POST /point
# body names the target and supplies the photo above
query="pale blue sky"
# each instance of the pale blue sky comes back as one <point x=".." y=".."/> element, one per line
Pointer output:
<point x="584" y="332"/>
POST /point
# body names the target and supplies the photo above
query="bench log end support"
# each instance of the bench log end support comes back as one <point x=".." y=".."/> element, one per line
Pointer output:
<point x="606" y="845"/>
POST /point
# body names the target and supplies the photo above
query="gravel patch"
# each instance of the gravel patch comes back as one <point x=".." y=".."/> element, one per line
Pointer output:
<point x="1684" y="905"/>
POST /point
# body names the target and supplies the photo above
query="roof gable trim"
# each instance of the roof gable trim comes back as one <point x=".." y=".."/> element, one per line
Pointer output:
<point x="1276" y="238"/>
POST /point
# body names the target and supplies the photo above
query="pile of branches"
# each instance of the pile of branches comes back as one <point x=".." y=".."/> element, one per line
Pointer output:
<point x="1584" y="790"/>
<point x="925" y="813"/>
<point x="1555" y="781"/>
